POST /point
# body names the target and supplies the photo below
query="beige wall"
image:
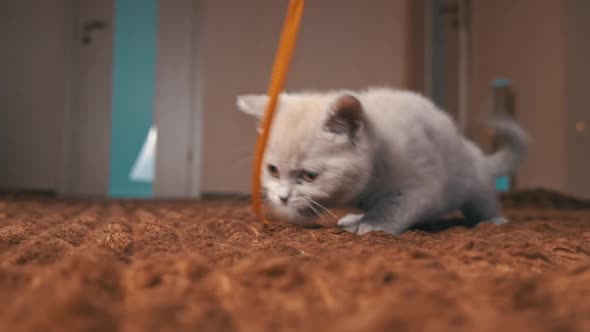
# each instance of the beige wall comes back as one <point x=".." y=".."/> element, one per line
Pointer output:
<point x="343" y="44"/>
<point x="578" y="98"/>
<point x="524" y="41"/>
<point x="32" y="93"/>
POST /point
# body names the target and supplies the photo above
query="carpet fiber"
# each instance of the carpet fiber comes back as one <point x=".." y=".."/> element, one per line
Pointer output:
<point x="210" y="266"/>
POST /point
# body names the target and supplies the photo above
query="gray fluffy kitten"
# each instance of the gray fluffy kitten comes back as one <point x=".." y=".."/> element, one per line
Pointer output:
<point x="393" y="154"/>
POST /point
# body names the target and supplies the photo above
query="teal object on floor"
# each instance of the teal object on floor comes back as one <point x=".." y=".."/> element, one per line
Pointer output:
<point x="136" y="27"/>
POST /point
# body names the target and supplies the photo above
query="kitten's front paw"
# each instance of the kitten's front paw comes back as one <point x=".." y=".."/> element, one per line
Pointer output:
<point x="353" y="223"/>
<point x="499" y="221"/>
<point x="350" y="219"/>
<point x="350" y="222"/>
<point x="359" y="228"/>
<point x="365" y="228"/>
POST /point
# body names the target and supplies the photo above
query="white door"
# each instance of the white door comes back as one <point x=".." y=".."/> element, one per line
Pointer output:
<point x="88" y="158"/>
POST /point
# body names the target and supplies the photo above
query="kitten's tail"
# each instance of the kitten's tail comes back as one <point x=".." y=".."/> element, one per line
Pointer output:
<point x="516" y="141"/>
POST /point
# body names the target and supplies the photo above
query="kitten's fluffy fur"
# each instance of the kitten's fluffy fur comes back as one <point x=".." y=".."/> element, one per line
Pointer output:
<point x="391" y="153"/>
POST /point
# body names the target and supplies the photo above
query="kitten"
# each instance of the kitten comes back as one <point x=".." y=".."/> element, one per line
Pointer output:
<point x="393" y="154"/>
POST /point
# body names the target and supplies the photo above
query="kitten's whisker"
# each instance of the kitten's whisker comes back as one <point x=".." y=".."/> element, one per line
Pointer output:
<point x="325" y="209"/>
<point x="315" y="210"/>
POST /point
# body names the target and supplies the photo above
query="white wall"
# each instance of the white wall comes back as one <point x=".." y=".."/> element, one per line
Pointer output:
<point x="343" y="44"/>
<point x="32" y="93"/>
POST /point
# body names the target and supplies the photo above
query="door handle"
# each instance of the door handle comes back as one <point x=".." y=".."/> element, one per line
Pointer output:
<point x="89" y="27"/>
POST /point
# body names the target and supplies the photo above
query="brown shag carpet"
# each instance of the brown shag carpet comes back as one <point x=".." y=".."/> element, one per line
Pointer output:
<point x="210" y="266"/>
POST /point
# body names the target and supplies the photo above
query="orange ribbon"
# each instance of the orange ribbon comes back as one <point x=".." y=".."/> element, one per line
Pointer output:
<point x="276" y="85"/>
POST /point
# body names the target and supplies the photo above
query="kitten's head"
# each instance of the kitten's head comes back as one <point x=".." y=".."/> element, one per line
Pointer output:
<point x="319" y="152"/>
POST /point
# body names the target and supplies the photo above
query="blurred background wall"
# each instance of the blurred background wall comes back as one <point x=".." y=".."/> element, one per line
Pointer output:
<point x="210" y="51"/>
<point x="33" y="92"/>
<point x="524" y="41"/>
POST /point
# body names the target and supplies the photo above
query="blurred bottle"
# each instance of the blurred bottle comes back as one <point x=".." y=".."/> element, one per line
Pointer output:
<point x="503" y="102"/>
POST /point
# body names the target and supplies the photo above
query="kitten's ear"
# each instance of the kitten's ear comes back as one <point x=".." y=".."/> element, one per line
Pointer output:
<point x="252" y="104"/>
<point x="346" y="117"/>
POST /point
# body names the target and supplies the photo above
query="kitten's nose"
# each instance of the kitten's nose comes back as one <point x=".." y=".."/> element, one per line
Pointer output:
<point x="284" y="199"/>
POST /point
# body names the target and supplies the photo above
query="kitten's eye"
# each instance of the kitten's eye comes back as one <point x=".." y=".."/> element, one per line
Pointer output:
<point x="273" y="170"/>
<point x="309" y="176"/>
